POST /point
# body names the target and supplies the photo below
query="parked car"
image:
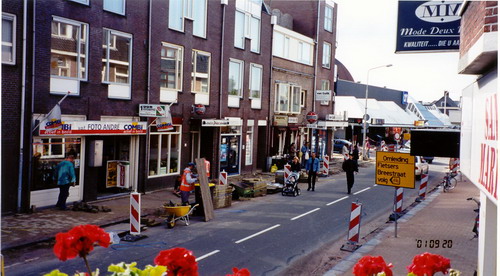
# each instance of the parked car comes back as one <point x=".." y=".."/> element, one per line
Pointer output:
<point x="420" y="167"/>
<point x="339" y="143"/>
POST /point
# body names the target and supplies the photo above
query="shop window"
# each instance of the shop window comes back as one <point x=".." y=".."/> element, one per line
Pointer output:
<point x="195" y="10"/>
<point x="47" y="153"/>
<point x="164" y="152"/>
<point x="249" y="146"/>
<point x="200" y="82"/>
<point x="8" y="38"/>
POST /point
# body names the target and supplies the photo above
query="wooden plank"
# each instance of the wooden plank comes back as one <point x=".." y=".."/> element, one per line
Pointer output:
<point x="208" y="206"/>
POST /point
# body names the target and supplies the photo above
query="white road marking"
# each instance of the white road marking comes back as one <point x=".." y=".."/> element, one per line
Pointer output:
<point x="375" y="185"/>
<point x="333" y="202"/>
<point x="207" y="255"/>
<point x="358" y="192"/>
<point x="258" y="233"/>
<point x="304" y="214"/>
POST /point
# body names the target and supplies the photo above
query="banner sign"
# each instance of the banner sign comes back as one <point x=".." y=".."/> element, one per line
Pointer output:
<point x="95" y="128"/>
<point x="280" y="120"/>
<point x="214" y="122"/>
<point x="165" y="123"/>
<point x="152" y="110"/>
<point x="428" y="26"/>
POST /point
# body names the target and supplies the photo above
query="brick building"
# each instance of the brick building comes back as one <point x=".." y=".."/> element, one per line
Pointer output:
<point x="479" y="142"/>
<point x="209" y="61"/>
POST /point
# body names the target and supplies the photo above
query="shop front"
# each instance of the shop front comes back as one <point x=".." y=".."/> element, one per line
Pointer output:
<point x="106" y="159"/>
<point x="230" y="143"/>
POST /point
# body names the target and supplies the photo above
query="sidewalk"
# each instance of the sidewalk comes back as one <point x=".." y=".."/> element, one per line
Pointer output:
<point x="442" y="218"/>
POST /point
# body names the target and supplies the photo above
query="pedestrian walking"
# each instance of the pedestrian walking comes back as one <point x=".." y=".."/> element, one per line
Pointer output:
<point x="305" y="153"/>
<point x="355" y="154"/>
<point x="187" y="183"/>
<point x="349" y="166"/>
<point x="65" y="177"/>
<point x="312" y="168"/>
<point x="345" y="152"/>
<point x="292" y="151"/>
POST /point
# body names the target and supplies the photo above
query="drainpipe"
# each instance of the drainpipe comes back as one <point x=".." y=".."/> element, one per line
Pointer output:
<point x="224" y="4"/>
<point x="23" y="110"/>
<point x="316" y="60"/>
<point x="148" y="91"/>
<point x="271" y="86"/>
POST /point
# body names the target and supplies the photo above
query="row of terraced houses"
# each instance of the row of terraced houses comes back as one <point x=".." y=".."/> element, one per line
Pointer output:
<point x="240" y="77"/>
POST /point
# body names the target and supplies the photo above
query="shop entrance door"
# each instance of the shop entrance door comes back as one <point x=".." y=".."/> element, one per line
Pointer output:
<point x="230" y="154"/>
<point x="116" y="150"/>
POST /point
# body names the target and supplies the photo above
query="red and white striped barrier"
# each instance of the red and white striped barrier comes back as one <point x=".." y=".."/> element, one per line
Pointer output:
<point x="223" y="178"/>
<point x="326" y="165"/>
<point x="288" y="171"/>
<point x="391" y="147"/>
<point x="424" y="178"/>
<point x="455" y="165"/>
<point x="135" y="213"/>
<point x="354" y="223"/>
<point x="398" y="200"/>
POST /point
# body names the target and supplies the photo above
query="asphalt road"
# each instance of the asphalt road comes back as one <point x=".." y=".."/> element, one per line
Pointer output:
<point x="264" y="235"/>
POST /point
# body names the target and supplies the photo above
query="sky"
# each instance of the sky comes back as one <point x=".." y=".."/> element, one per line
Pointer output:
<point x="366" y="38"/>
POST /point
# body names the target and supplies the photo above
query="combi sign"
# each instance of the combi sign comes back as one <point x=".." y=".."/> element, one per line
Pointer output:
<point x="395" y="169"/>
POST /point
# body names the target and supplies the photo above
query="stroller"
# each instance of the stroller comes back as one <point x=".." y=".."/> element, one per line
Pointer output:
<point x="291" y="186"/>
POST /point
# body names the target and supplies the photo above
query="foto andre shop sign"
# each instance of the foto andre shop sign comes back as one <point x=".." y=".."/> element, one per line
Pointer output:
<point x="395" y="169"/>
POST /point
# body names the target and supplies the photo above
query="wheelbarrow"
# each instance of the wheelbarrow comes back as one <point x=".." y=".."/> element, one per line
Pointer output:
<point x="176" y="213"/>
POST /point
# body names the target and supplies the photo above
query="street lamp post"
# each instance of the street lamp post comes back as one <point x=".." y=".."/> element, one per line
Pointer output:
<point x="365" y="157"/>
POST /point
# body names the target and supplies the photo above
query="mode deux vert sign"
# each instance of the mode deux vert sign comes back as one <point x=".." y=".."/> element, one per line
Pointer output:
<point x="395" y="169"/>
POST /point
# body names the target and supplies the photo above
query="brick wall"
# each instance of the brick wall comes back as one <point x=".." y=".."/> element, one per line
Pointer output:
<point x="479" y="18"/>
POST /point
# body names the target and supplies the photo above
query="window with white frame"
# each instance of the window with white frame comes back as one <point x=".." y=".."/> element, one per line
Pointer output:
<point x="288" y="98"/>
<point x="50" y="147"/>
<point x="195" y="10"/>
<point x="325" y="85"/>
<point x="85" y="2"/>
<point x="292" y="46"/>
<point x="329" y="18"/>
<point x="69" y="47"/>
<point x="327" y="54"/>
<point x="117" y="57"/>
<point x="235" y="85"/>
<point x="255" y="81"/>
<point x="249" y="146"/>
<point x="171" y="67"/>
<point x="164" y="152"/>
<point x="247" y="24"/>
<point x="303" y="95"/>
<point x="116" y="6"/>
<point x="201" y="72"/>
<point x="8" y="38"/>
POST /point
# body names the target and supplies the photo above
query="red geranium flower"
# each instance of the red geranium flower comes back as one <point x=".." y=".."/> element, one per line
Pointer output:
<point x="179" y="261"/>
<point x="370" y="265"/>
<point x="239" y="272"/>
<point x="427" y="264"/>
<point x="79" y="241"/>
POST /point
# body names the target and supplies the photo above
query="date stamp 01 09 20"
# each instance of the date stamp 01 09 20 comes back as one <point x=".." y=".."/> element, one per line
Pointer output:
<point x="434" y="243"/>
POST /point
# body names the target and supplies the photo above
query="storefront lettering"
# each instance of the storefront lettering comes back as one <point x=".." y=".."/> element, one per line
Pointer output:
<point x="133" y="127"/>
<point x="488" y="173"/>
<point x="103" y="126"/>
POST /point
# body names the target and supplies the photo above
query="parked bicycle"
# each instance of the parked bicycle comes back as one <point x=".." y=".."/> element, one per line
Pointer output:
<point x="449" y="181"/>
<point x="475" y="228"/>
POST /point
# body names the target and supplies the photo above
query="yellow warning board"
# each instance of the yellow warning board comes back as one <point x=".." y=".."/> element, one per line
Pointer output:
<point x="395" y="169"/>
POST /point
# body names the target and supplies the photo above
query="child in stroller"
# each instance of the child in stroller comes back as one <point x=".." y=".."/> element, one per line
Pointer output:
<point x="291" y="186"/>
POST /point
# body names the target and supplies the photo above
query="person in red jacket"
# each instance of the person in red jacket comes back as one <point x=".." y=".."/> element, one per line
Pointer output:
<point x="187" y="183"/>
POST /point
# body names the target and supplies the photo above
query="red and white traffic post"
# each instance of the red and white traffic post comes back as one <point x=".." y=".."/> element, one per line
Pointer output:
<point x="223" y="178"/>
<point x="326" y="165"/>
<point x="288" y="171"/>
<point x="398" y="200"/>
<point x="354" y="228"/>
<point x="135" y="213"/>
<point x="424" y="178"/>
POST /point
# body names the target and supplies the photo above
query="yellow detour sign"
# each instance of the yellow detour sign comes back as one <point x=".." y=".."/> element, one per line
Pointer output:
<point x="395" y="169"/>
